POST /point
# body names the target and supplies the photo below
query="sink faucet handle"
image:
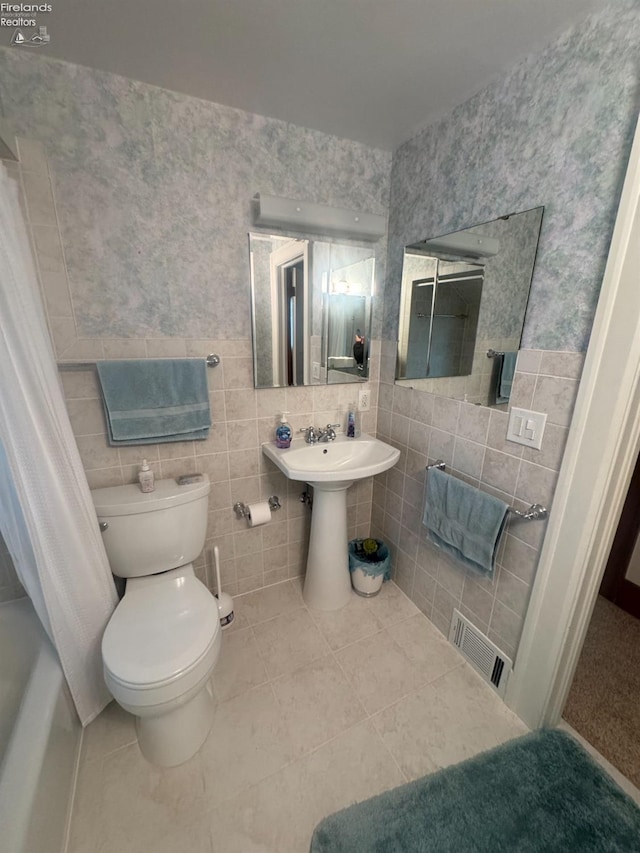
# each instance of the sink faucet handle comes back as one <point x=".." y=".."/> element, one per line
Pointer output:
<point x="329" y="434"/>
<point x="311" y="436"/>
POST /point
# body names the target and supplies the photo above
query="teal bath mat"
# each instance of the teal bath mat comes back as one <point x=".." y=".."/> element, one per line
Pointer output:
<point x="539" y="793"/>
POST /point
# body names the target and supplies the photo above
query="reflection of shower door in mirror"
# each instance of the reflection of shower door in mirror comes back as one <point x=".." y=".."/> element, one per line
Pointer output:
<point x="439" y="321"/>
<point x="454" y="321"/>
<point x="289" y="287"/>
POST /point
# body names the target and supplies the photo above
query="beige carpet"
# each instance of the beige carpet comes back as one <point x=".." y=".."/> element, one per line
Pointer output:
<point x="604" y="700"/>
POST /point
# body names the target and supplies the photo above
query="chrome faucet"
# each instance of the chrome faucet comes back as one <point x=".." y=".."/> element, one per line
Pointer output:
<point x="311" y="434"/>
<point x="328" y="434"/>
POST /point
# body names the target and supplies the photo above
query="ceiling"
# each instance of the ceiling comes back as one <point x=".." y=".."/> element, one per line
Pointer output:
<point x="368" y="70"/>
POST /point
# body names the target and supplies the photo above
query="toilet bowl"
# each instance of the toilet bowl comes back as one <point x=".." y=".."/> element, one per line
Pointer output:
<point x="164" y="638"/>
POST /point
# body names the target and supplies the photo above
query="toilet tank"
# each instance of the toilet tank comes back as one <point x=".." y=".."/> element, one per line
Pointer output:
<point x="152" y="532"/>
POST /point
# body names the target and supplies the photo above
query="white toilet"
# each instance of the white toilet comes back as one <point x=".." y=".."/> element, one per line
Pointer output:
<point x="163" y="640"/>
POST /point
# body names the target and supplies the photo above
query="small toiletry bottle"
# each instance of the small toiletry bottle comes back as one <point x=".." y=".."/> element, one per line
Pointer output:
<point x="283" y="432"/>
<point x="145" y="476"/>
<point x="351" y="424"/>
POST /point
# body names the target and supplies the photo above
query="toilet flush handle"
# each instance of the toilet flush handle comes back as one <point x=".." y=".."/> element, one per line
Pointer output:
<point x="103" y="526"/>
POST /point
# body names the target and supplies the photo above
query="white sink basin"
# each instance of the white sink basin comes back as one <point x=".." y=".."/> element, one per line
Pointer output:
<point x="330" y="468"/>
<point x="341" y="461"/>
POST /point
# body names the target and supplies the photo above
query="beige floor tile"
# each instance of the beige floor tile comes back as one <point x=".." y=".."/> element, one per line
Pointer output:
<point x="247" y="742"/>
<point x="289" y="641"/>
<point x="379" y="670"/>
<point x="139" y="804"/>
<point x="272" y="601"/>
<point x="239" y="666"/>
<point x="348" y="625"/>
<point x="463" y="686"/>
<point x="240" y="621"/>
<point x="425" y="646"/>
<point x="391" y="605"/>
<point x="441" y="724"/>
<point x="423" y="733"/>
<point x="279" y="814"/>
<point x="195" y="838"/>
<point x="111" y="730"/>
<point x="317" y="703"/>
<point x="485" y="712"/>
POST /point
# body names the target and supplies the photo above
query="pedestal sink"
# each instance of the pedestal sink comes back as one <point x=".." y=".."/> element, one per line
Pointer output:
<point x="331" y="468"/>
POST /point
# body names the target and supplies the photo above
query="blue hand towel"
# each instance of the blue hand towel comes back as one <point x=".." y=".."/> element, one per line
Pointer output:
<point x="149" y="401"/>
<point x="504" y="381"/>
<point x="465" y="522"/>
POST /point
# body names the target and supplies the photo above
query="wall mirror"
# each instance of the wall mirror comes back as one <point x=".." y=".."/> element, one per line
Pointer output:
<point x="311" y="310"/>
<point x="462" y="307"/>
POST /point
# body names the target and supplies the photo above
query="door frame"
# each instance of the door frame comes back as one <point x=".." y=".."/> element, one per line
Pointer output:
<point x="280" y="258"/>
<point x="602" y="448"/>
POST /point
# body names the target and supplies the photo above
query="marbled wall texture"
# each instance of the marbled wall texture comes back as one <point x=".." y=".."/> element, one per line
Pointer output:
<point x="555" y="131"/>
<point x="153" y="192"/>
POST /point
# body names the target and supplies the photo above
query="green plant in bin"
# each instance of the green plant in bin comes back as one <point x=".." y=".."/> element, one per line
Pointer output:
<point x="367" y="549"/>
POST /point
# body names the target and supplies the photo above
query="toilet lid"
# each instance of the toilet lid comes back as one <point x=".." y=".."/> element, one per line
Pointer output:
<point x="159" y="631"/>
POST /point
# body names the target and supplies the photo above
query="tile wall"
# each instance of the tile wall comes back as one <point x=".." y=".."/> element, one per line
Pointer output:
<point x="471" y="441"/>
<point x="243" y="418"/>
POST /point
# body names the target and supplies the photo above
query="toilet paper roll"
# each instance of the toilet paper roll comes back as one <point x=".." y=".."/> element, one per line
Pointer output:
<point x="259" y="514"/>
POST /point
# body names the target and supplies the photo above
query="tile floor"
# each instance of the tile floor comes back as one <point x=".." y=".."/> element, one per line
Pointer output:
<point x="314" y="711"/>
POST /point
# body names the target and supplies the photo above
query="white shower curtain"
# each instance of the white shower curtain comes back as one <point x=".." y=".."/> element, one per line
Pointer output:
<point x="46" y="513"/>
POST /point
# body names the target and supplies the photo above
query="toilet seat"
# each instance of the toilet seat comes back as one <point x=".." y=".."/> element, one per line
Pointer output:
<point x="162" y="639"/>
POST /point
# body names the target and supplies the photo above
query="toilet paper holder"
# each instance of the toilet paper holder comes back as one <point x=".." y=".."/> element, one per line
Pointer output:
<point x="242" y="510"/>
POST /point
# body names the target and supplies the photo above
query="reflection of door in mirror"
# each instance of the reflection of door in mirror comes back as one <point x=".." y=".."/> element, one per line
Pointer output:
<point x="289" y="288"/>
<point x="279" y="269"/>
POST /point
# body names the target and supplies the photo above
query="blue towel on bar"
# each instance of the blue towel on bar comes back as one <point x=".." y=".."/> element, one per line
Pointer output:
<point x="504" y="381"/>
<point x="465" y="522"/>
<point x="150" y="401"/>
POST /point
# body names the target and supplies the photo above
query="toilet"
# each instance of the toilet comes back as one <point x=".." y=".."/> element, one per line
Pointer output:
<point x="163" y="639"/>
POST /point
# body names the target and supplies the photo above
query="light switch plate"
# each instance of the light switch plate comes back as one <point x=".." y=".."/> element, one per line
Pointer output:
<point x="526" y="427"/>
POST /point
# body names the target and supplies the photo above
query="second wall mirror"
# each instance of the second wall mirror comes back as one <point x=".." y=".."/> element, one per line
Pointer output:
<point x="463" y="304"/>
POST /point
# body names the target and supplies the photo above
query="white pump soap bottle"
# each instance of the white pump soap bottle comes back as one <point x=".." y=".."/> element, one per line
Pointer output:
<point x="145" y="477"/>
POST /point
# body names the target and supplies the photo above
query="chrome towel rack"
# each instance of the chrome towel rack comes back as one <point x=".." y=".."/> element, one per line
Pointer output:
<point x="536" y="512"/>
<point x="492" y="353"/>
<point x="212" y="360"/>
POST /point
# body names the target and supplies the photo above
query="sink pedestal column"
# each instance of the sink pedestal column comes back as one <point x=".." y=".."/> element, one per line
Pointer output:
<point x="327" y="584"/>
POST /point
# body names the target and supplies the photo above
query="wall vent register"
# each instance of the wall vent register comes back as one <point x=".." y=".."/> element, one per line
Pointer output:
<point x="485" y="657"/>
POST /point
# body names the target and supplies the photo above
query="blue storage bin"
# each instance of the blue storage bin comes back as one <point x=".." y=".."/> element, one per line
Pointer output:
<point x="372" y="568"/>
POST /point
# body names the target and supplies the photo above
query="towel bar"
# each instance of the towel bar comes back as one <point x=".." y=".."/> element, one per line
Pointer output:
<point x="491" y="353"/>
<point x="212" y="360"/>
<point x="536" y="512"/>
